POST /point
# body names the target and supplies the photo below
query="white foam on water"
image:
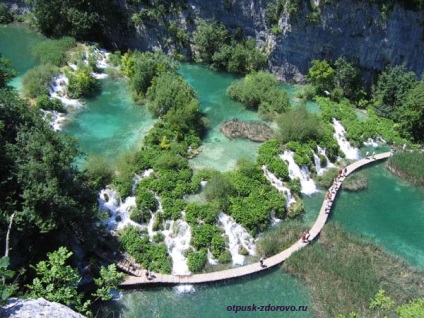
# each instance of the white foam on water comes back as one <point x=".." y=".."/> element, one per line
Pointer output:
<point x="340" y="135"/>
<point x="278" y="184"/>
<point x="184" y="289"/>
<point x="371" y="142"/>
<point x="238" y="237"/>
<point x="317" y="161"/>
<point x="302" y="173"/>
<point x="211" y="260"/>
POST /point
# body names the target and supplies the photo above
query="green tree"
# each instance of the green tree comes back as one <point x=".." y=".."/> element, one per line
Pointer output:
<point x="259" y="91"/>
<point x="109" y="279"/>
<point x="209" y="37"/>
<point x="391" y="89"/>
<point x="81" y="82"/>
<point x="321" y="75"/>
<point x="5" y="14"/>
<point x="412" y="114"/>
<point x="57" y="281"/>
<point x="347" y="77"/>
<point x="6" y="72"/>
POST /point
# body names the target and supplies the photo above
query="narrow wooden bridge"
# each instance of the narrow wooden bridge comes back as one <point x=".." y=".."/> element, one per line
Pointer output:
<point x="269" y="262"/>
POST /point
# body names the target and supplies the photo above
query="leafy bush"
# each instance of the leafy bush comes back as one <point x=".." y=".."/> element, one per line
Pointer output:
<point x="296" y="209"/>
<point x="44" y="102"/>
<point x="197" y="261"/>
<point x="299" y="125"/>
<point x="146" y="200"/>
<point x="259" y="91"/>
<point x="218" y="245"/>
<point x="225" y="257"/>
<point x="5" y="14"/>
<point x="219" y="188"/>
<point x="202" y="235"/>
<point x="268" y="155"/>
<point x="36" y="81"/>
<point x="81" y="82"/>
<point x="158" y="237"/>
<point x="53" y="51"/>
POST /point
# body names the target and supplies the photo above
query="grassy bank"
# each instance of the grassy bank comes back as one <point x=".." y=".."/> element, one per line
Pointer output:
<point x="355" y="182"/>
<point x="408" y="165"/>
<point x="344" y="272"/>
<point x="279" y="237"/>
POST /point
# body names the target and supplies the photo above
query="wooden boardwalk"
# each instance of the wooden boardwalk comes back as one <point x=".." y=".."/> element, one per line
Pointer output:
<point x="269" y="262"/>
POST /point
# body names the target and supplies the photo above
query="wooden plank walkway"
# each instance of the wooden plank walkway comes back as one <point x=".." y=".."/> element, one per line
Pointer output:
<point x="269" y="262"/>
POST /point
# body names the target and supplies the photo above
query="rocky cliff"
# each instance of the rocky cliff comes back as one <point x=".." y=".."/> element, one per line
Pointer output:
<point x="354" y="28"/>
<point x="36" y="308"/>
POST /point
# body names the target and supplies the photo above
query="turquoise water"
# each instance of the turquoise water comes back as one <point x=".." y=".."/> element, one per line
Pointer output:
<point x="390" y="211"/>
<point x="16" y="43"/>
<point x="210" y="301"/>
<point x="110" y="123"/>
<point x="218" y="151"/>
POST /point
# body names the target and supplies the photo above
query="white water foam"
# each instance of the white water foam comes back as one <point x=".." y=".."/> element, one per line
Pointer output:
<point x="278" y="184"/>
<point x="184" y="289"/>
<point x="340" y="135"/>
<point x="302" y="173"/>
<point x="238" y="237"/>
<point x="317" y="160"/>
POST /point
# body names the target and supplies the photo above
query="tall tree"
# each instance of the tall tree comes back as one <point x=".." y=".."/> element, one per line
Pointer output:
<point x="412" y="114"/>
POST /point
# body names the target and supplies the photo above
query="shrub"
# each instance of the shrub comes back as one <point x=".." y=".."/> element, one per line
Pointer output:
<point x="197" y="261"/>
<point x="296" y="209"/>
<point x="44" y="102"/>
<point x="146" y="200"/>
<point x="5" y="14"/>
<point x="299" y="125"/>
<point x="36" y="81"/>
<point x="81" y="82"/>
<point x="158" y="237"/>
<point x="225" y="257"/>
<point x="218" y="245"/>
<point x="219" y="188"/>
<point x="259" y="91"/>
<point x="202" y="235"/>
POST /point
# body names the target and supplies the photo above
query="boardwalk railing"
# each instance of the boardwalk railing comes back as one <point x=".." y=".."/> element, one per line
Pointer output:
<point x="269" y="262"/>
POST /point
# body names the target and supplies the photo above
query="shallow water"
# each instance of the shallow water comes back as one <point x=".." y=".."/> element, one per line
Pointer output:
<point x="218" y="151"/>
<point x="16" y="43"/>
<point x="111" y="122"/>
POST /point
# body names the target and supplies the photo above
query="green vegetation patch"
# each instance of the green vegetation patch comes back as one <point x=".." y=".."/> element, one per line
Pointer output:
<point x="344" y="272"/>
<point x="355" y="182"/>
<point x="408" y="165"/>
<point x="279" y="237"/>
<point x="36" y="81"/>
<point x="259" y="91"/>
<point x="54" y="51"/>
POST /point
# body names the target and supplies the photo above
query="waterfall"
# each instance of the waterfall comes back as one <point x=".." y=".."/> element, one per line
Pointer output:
<point x="345" y="146"/>
<point x="278" y="184"/>
<point x="371" y="142"/>
<point x="57" y="89"/>
<point x="177" y="239"/>
<point x="238" y="237"/>
<point x="308" y="185"/>
<point x="317" y="160"/>
<point x="211" y="260"/>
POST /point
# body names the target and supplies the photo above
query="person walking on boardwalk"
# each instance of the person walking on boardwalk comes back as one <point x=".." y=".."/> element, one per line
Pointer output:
<point x="261" y="261"/>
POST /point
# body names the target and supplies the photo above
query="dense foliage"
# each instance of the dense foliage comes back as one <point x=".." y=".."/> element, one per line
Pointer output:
<point x="6" y="15"/>
<point x="39" y="182"/>
<point x="81" y="82"/>
<point x="259" y="91"/>
<point x="6" y="72"/>
<point x="217" y="48"/>
<point x="80" y="19"/>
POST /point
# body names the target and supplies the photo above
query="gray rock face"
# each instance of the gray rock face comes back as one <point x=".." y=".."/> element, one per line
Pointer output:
<point x="36" y="308"/>
<point x="355" y="29"/>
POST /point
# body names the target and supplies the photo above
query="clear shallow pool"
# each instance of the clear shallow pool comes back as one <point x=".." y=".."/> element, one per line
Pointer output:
<point x="111" y="122"/>
<point x="16" y="44"/>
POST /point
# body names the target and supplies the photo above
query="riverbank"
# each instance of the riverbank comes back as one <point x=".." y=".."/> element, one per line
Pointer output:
<point x="408" y="165"/>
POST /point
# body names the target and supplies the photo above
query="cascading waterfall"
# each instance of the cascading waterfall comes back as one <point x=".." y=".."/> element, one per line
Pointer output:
<point x="278" y="184"/>
<point x="371" y="142"/>
<point x="302" y="173"/>
<point x="238" y="237"/>
<point x="340" y="135"/>
<point x="177" y="239"/>
<point x="317" y="161"/>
